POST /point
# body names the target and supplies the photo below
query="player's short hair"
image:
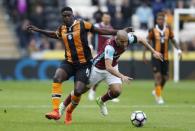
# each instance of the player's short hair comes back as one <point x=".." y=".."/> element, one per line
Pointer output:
<point x="161" y="14"/>
<point x="66" y="9"/>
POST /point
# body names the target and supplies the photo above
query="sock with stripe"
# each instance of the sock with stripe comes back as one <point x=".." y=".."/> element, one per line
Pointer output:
<point x="56" y="95"/>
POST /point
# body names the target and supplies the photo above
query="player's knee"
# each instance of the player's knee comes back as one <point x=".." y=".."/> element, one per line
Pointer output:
<point x="57" y="79"/>
<point x="116" y="93"/>
<point x="158" y="79"/>
<point x="79" y="91"/>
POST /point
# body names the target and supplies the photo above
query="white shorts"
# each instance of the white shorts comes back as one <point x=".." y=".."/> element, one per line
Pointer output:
<point x="98" y="75"/>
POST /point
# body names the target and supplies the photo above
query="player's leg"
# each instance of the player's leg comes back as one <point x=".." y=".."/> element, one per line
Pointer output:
<point x="92" y="92"/>
<point x="158" y="80"/>
<point x="96" y="77"/>
<point x="65" y="103"/>
<point x="165" y="73"/>
<point x="81" y="80"/>
<point x="113" y="92"/>
<point x="62" y="73"/>
<point x="59" y="77"/>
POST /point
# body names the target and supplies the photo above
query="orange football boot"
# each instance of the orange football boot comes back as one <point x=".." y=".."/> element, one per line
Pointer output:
<point x="68" y="118"/>
<point x="53" y="115"/>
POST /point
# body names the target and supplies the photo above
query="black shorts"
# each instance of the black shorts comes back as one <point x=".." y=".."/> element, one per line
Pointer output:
<point x="80" y="72"/>
<point x="159" y="66"/>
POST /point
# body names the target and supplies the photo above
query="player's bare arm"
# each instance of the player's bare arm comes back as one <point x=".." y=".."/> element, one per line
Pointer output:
<point x="103" y="31"/>
<point x="51" y="34"/>
<point x="156" y="54"/>
<point x="176" y="46"/>
<point x="110" y="69"/>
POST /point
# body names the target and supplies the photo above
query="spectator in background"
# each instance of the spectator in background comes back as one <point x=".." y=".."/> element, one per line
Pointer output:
<point x="97" y="15"/>
<point x="157" y="6"/>
<point x="169" y="17"/>
<point x="111" y="9"/>
<point x="192" y="5"/>
<point x="95" y="2"/>
<point x="58" y="45"/>
<point x="24" y="37"/>
<point x="144" y="13"/>
<point x="127" y="12"/>
<point x="118" y="20"/>
<point x="77" y="15"/>
<point x="62" y="3"/>
<point x="180" y="4"/>
<point x="22" y="6"/>
<point x="191" y="46"/>
<point x="38" y="13"/>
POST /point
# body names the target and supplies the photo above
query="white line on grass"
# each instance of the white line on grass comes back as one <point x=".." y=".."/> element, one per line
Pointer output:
<point x="95" y="106"/>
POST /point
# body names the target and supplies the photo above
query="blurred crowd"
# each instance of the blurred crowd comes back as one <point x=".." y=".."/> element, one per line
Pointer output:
<point x="46" y="14"/>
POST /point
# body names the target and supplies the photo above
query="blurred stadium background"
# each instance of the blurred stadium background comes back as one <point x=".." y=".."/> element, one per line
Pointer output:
<point x="28" y="56"/>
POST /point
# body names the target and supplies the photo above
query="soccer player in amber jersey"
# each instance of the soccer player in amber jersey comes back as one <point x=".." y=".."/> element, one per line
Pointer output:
<point x="77" y="61"/>
<point x="160" y="36"/>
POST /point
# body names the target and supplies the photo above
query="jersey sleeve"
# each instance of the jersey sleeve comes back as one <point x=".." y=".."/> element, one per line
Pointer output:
<point x="58" y="32"/>
<point x="132" y="38"/>
<point x="109" y="52"/>
<point x="88" y="26"/>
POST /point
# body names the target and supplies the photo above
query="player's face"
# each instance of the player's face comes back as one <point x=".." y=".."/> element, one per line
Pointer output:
<point x="106" y="19"/>
<point x="122" y="42"/>
<point x="160" y="20"/>
<point x="68" y="18"/>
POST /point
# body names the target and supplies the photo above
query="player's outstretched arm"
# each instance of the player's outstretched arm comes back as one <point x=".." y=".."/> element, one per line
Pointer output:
<point x="113" y="71"/>
<point x="51" y="34"/>
<point x="144" y="55"/>
<point x="104" y="31"/>
<point x="156" y="54"/>
<point x="176" y="46"/>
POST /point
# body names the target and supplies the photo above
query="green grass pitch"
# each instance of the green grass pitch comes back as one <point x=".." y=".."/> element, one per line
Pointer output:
<point x="24" y="103"/>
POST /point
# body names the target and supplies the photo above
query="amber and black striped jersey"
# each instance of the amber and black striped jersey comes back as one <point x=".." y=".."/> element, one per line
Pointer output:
<point x="75" y="40"/>
<point x="160" y="39"/>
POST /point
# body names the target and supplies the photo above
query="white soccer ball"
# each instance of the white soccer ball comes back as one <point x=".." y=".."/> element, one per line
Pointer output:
<point x="138" y="118"/>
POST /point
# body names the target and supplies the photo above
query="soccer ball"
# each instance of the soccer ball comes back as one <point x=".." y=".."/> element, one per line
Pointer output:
<point x="138" y="118"/>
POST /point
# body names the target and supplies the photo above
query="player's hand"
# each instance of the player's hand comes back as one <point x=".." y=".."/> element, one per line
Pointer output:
<point x="158" y="55"/>
<point x="179" y="53"/>
<point x="126" y="79"/>
<point x="31" y="28"/>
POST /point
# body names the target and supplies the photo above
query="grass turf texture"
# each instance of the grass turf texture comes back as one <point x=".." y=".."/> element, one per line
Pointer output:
<point x="23" y="105"/>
